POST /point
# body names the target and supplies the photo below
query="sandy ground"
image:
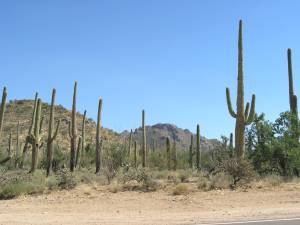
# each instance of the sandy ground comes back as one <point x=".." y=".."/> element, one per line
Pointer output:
<point x="88" y="206"/>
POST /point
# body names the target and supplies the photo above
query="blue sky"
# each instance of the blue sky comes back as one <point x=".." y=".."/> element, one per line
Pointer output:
<point x="172" y="58"/>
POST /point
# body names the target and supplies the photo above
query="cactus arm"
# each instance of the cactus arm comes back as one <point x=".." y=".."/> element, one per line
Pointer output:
<point x="252" y="111"/>
<point x="247" y="111"/>
<point x="229" y="105"/>
<point x="41" y="124"/>
<point x="56" y="131"/>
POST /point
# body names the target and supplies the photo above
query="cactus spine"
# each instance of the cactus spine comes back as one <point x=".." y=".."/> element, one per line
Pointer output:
<point x="292" y="97"/>
<point x="144" y="144"/>
<point x="26" y="145"/>
<point x="73" y="130"/>
<point x="51" y="135"/>
<point x="191" y="153"/>
<point x="243" y="117"/>
<point x="35" y="137"/>
<point x="2" y="109"/>
<point x="98" y="137"/>
<point x="168" y="153"/>
<point x="198" y="148"/>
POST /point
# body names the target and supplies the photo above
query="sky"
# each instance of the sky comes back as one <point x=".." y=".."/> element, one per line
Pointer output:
<point x="172" y="58"/>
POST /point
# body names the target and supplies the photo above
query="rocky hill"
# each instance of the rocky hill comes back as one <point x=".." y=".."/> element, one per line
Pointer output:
<point x="157" y="134"/>
<point x="21" y="110"/>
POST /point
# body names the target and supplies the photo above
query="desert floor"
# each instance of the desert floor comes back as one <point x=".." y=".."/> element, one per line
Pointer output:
<point x="86" y="205"/>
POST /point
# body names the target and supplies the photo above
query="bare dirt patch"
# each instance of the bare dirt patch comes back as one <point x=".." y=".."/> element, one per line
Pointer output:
<point x="87" y="205"/>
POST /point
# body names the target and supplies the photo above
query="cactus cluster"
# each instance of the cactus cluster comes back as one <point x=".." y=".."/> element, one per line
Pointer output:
<point x="51" y="134"/>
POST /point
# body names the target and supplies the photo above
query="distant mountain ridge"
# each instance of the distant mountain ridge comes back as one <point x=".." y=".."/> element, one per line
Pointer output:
<point x="21" y="110"/>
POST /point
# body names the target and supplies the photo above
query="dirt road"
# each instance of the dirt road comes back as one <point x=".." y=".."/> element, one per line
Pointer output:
<point x="88" y="206"/>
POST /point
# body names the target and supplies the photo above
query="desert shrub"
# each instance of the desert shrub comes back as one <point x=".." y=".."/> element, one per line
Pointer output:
<point x="17" y="183"/>
<point x="204" y="184"/>
<point x="220" y="181"/>
<point x="115" y="187"/>
<point x="240" y="171"/>
<point x="273" y="180"/>
<point x="180" y="189"/>
<point x="184" y="175"/>
<point x="140" y="175"/>
<point x="66" y="180"/>
<point x="114" y="157"/>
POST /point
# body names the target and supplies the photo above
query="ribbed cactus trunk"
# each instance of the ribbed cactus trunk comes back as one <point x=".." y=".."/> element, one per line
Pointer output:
<point x="9" y="149"/>
<point x="17" y="146"/>
<point x="135" y="155"/>
<point x="2" y="109"/>
<point x="26" y="145"/>
<point x="82" y="152"/>
<point x="78" y="154"/>
<point x="198" y="153"/>
<point x="243" y="116"/>
<point x="144" y="144"/>
<point x="35" y="137"/>
<point x="51" y="134"/>
<point x="174" y="156"/>
<point x="292" y="98"/>
<point x="168" y="153"/>
<point x="73" y="131"/>
<point x="130" y="143"/>
<point x="191" y="153"/>
<point x="98" y="138"/>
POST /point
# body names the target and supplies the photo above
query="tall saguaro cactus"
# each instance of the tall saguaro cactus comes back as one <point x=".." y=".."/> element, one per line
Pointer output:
<point x="51" y="135"/>
<point x="2" y="109"/>
<point x="130" y="143"/>
<point x="292" y="97"/>
<point x="17" y="145"/>
<point x="135" y="154"/>
<point x="168" y="153"/>
<point x="174" y="155"/>
<point x="73" y="131"/>
<point x="198" y="148"/>
<point x="144" y="144"/>
<point x="36" y="136"/>
<point x="243" y="116"/>
<point x="83" y="137"/>
<point x="98" y="137"/>
<point x="26" y="145"/>
<point x="191" y="153"/>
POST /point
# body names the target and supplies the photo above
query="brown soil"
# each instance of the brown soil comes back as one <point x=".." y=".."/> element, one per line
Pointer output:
<point x="86" y="205"/>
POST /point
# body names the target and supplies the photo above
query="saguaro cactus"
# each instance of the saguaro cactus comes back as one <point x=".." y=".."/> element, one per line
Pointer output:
<point x="35" y="137"/>
<point x="2" y="109"/>
<point x="144" y="144"/>
<point x="98" y="137"/>
<point x="174" y="156"/>
<point x="17" y="145"/>
<point x="77" y="161"/>
<point x="135" y="154"/>
<point x="191" y="153"/>
<point x="198" y="153"/>
<point x="292" y="97"/>
<point x="231" y="142"/>
<point x="243" y="117"/>
<point x="73" y="130"/>
<point x="168" y="153"/>
<point x="26" y="145"/>
<point x="130" y="143"/>
<point x="51" y="135"/>
<point x="83" y="137"/>
<point x="10" y="148"/>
